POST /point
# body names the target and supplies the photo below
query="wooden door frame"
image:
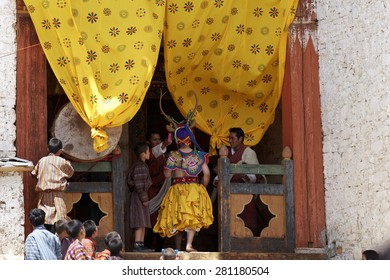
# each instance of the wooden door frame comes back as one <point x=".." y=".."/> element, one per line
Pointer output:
<point x="31" y="104"/>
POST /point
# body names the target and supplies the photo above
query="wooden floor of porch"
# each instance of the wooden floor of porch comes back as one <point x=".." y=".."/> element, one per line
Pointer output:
<point x="229" y="256"/>
<point x="206" y="242"/>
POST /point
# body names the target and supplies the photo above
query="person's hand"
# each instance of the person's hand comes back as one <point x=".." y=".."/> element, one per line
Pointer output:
<point x="169" y="140"/>
<point x="165" y="143"/>
<point x="145" y="204"/>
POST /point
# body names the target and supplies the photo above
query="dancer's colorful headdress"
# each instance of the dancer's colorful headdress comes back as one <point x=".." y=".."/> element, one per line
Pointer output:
<point x="182" y="130"/>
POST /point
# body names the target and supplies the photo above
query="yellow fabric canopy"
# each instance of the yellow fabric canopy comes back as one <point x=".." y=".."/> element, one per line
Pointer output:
<point x="103" y="54"/>
<point x="231" y="54"/>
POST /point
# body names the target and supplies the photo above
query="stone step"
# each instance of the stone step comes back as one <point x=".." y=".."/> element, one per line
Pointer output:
<point x="228" y="256"/>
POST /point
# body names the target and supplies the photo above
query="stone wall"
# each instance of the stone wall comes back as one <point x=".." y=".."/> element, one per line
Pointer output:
<point x="354" y="79"/>
<point x="354" y="50"/>
<point x="11" y="184"/>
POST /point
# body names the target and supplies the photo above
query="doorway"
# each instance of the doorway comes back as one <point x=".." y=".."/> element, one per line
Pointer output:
<point x="269" y="150"/>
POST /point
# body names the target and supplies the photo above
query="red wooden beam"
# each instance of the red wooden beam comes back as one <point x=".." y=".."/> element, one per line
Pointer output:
<point x="31" y="105"/>
<point x="302" y="128"/>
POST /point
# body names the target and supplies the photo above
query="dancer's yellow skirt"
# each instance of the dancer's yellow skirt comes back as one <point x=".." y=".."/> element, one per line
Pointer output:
<point x="185" y="206"/>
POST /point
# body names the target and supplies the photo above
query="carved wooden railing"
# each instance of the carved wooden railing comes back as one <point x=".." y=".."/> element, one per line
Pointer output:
<point x="109" y="195"/>
<point x="233" y="236"/>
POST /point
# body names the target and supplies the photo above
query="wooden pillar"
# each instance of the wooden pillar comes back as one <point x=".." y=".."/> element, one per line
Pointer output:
<point x="302" y="129"/>
<point x="118" y="194"/>
<point x="288" y="183"/>
<point x="224" y="201"/>
<point x="31" y="112"/>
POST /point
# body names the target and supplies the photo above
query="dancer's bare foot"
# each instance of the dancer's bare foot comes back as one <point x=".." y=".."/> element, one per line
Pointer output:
<point x="190" y="249"/>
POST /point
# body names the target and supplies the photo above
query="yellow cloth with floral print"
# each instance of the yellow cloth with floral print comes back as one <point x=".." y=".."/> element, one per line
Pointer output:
<point x="231" y="54"/>
<point x="185" y="206"/>
<point x="103" y="54"/>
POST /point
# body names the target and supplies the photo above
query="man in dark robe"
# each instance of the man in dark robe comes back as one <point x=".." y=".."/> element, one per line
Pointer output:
<point x="156" y="165"/>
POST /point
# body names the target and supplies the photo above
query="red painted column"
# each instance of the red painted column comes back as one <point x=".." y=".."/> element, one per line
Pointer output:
<point x="302" y="129"/>
<point x="31" y="105"/>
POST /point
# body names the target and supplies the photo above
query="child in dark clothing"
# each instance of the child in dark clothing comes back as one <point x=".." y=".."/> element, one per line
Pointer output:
<point x="105" y="255"/>
<point x="139" y="181"/>
<point x="370" y="255"/>
<point x="115" y="245"/>
<point x="65" y="240"/>
<point x="169" y="254"/>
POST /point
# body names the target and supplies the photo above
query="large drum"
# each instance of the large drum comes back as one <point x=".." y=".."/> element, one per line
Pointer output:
<point x="75" y="135"/>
